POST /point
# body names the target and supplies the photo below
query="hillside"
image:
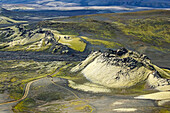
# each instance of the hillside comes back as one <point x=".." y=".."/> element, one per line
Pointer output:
<point x="124" y="72"/>
<point x="145" y="31"/>
<point x="39" y="15"/>
<point x="31" y="38"/>
<point x="6" y="20"/>
<point x="121" y="69"/>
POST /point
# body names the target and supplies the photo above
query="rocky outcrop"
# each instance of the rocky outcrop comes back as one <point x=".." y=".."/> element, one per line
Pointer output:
<point x="119" y="69"/>
<point x="31" y="39"/>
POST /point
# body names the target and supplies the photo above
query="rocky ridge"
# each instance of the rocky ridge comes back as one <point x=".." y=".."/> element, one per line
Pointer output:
<point x="120" y="69"/>
<point x="31" y="39"/>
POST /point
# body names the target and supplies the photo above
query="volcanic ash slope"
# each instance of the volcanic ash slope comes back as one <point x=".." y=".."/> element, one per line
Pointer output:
<point x="120" y="69"/>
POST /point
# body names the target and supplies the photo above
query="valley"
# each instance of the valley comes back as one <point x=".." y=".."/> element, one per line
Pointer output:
<point x="87" y="63"/>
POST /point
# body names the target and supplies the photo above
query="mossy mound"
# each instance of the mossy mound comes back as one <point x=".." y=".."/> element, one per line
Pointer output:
<point x="120" y="69"/>
<point x="23" y="38"/>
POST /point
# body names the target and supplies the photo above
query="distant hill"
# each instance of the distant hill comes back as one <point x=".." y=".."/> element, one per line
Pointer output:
<point x="138" y="3"/>
<point x="3" y="11"/>
<point x="45" y="14"/>
<point x="6" y="20"/>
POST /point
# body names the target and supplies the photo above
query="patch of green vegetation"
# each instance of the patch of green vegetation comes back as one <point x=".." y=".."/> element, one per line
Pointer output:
<point x="107" y="44"/>
<point x="151" y="28"/>
<point x="155" y="30"/>
<point x="167" y="105"/>
<point x="69" y="32"/>
<point x="82" y="106"/>
<point x="14" y="79"/>
<point x="15" y="74"/>
<point x="65" y="68"/>
<point x="146" y="13"/>
<point x="163" y="110"/>
<point x="74" y="42"/>
<point x="161" y="49"/>
<point x="77" y="102"/>
<point x="25" y="105"/>
<point x="98" y="29"/>
<point x="65" y="73"/>
<point x="17" y="92"/>
<point x="85" y="108"/>
<point x="138" y="88"/>
<point x="135" y="90"/>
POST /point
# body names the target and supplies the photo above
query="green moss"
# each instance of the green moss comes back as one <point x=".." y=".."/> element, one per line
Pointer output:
<point x="135" y="90"/>
<point x="16" y="93"/>
<point x="74" y="43"/>
<point x="25" y="105"/>
<point x="150" y="30"/>
<point x="18" y="73"/>
<point x="163" y="110"/>
<point x="85" y="108"/>
<point x="69" y="32"/>
<point x="82" y="106"/>
<point x="14" y="79"/>
<point x="65" y="70"/>
<point x="99" y="29"/>
<point x="161" y="49"/>
<point x="107" y="44"/>
<point x="15" y="74"/>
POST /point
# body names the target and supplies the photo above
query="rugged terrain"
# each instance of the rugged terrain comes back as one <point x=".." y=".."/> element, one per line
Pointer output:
<point x="21" y="37"/>
<point x="77" y="64"/>
<point x="146" y="33"/>
<point x="121" y="69"/>
<point x="123" y="72"/>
